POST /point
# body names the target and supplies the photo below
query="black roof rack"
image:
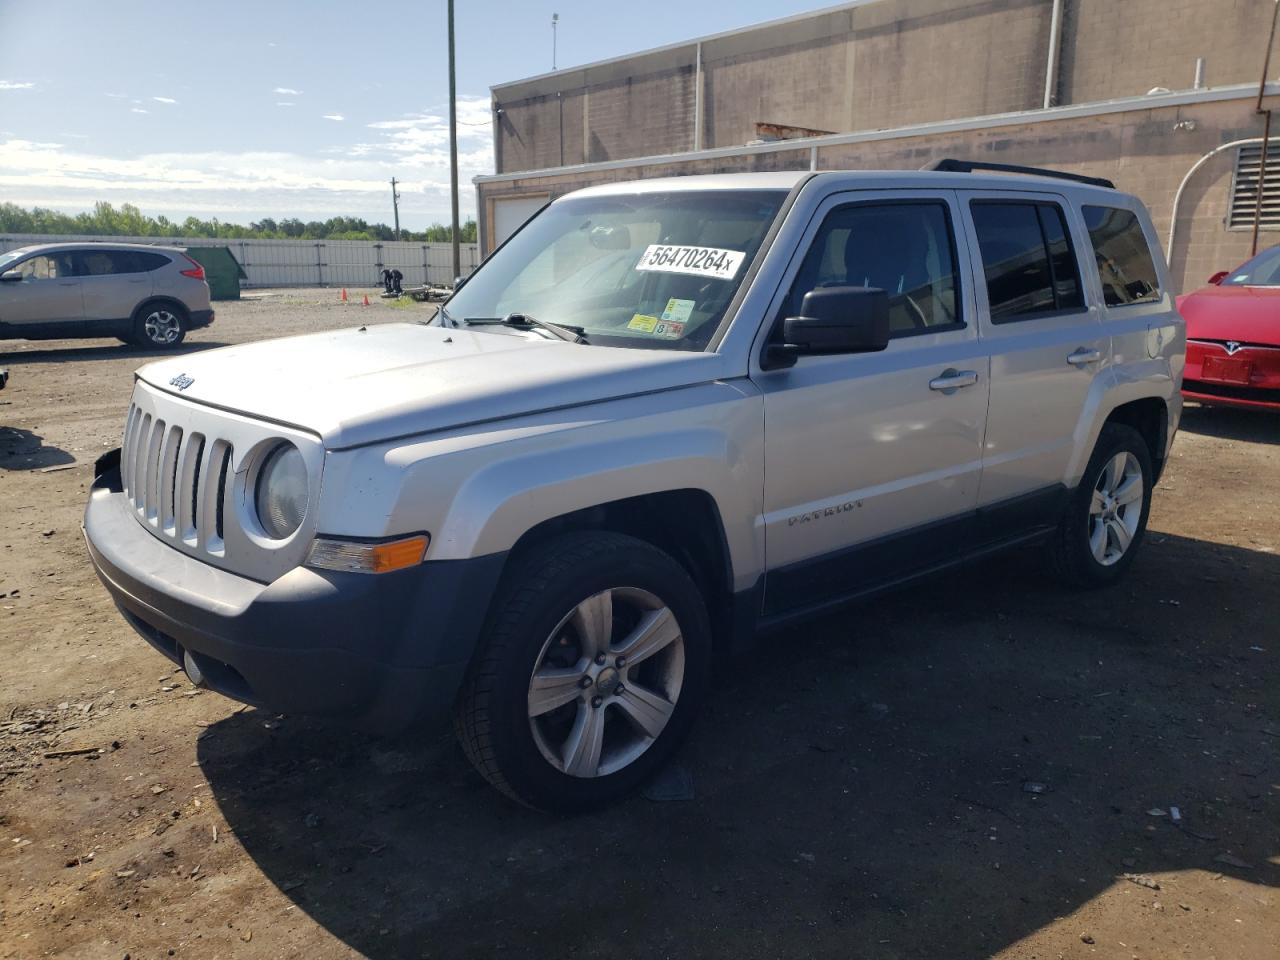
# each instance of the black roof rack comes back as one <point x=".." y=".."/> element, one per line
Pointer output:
<point x="948" y="165"/>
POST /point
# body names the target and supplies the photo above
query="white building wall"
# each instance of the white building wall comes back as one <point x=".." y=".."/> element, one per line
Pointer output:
<point x="305" y="263"/>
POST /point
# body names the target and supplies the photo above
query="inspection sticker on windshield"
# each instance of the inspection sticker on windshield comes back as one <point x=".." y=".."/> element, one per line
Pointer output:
<point x="678" y="310"/>
<point x="699" y="261"/>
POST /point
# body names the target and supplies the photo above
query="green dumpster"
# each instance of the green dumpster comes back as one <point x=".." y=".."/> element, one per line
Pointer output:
<point x="221" y="269"/>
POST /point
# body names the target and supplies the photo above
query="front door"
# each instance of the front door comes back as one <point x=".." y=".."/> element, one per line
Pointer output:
<point x="872" y="460"/>
<point x="1047" y="345"/>
<point x="48" y="293"/>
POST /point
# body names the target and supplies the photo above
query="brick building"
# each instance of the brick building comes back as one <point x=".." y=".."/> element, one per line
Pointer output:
<point x="1139" y="91"/>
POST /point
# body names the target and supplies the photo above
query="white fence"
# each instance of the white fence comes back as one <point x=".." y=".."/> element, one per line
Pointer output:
<point x="307" y="263"/>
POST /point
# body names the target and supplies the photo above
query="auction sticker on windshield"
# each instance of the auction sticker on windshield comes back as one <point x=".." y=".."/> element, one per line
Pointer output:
<point x="699" y="261"/>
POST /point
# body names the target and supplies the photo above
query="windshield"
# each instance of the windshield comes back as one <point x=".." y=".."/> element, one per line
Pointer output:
<point x="1262" y="271"/>
<point x="652" y="270"/>
<point x="12" y="255"/>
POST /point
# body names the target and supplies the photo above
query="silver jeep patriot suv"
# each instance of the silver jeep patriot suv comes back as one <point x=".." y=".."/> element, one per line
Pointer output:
<point x="664" y="418"/>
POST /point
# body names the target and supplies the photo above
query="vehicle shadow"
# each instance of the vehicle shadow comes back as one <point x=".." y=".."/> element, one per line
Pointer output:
<point x="101" y="351"/>
<point x="959" y="771"/>
<point x="1231" y="423"/>
<point x="23" y="450"/>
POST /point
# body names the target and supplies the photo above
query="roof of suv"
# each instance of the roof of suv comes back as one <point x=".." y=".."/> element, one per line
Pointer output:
<point x="861" y="179"/>
<point x="96" y="244"/>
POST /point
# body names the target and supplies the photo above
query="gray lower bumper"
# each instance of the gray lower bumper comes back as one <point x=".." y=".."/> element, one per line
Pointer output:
<point x="375" y="651"/>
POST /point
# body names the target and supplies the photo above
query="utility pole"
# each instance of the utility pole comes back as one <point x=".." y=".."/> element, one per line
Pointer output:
<point x="395" y="205"/>
<point x="453" y="149"/>
<point x="555" y="21"/>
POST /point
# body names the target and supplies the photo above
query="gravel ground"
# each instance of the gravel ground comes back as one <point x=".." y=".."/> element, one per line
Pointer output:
<point x="982" y="766"/>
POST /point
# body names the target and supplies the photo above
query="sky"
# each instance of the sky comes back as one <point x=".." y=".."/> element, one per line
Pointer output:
<point x="284" y="108"/>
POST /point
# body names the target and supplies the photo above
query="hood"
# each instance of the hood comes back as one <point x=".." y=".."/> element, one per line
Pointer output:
<point x="1247" y="314"/>
<point x="360" y="386"/>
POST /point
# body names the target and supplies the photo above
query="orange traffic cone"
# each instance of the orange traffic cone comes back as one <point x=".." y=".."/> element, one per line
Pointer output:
<point x="366" y="301"/>
<point x="343" y="298"/>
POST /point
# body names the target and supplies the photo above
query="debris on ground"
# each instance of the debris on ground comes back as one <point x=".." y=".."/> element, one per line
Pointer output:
<point x="1142" y="880"/>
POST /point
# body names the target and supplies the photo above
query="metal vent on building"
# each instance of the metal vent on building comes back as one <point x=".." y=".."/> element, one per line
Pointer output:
<point x="1244" y="188"/>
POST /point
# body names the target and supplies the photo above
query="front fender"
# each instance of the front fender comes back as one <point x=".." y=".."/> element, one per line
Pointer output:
<point x="478" y="490"/>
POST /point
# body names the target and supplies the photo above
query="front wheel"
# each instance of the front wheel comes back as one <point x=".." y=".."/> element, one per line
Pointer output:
<point x="595" y="663"/>
<point x="1106" y="517"/>
<point x="158" y="326"/>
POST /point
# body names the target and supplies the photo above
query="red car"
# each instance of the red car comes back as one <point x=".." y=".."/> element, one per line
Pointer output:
<point x="1233" y="336"/>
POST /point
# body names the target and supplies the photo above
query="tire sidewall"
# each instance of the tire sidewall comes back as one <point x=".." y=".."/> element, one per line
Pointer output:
<point x="1114" y="439"/>
<point x="140" y="337"/>
<point x="634" y="564"/>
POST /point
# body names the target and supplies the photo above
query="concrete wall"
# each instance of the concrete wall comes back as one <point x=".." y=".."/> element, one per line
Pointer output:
<point x="1146" y="151"/>
<point x="885" y="64"/>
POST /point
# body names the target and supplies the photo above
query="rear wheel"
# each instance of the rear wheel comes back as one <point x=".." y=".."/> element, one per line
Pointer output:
<point x="595" y="663"/>
<point x="1106" y="517"/>
<point x="158" y="326"/>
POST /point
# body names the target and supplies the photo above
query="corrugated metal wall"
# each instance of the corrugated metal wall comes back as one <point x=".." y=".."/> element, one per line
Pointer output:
<point x="307" y="263"/>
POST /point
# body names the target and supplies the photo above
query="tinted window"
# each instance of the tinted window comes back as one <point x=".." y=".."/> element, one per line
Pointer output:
<point x="1125" y="266"/>
<point x="906" y="249"/>
<point x="145" y="262"/>
<point x="1027" y="258"/>
<point x="97" y="263"/>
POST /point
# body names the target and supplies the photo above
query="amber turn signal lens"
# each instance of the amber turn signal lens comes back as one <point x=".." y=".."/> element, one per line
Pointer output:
<point x="382" y="557"/>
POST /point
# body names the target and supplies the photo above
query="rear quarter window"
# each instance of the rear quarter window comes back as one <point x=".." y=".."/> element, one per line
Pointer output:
<point x="1126" y="269"/>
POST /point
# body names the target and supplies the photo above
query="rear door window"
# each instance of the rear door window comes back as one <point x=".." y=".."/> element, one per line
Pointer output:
<point x="98" y="263"/>
<point x="1028" y="259"/>
<point x="1126" y="269"/>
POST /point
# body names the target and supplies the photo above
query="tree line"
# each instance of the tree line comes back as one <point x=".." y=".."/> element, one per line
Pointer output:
<point x="129" y="221"/>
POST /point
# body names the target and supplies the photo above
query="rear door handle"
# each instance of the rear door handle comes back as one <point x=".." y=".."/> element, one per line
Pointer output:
<point x="1083" y="356"/>
<point x="951" y="380"/>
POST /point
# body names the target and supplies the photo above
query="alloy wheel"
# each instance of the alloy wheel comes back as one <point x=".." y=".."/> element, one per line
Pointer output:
<point x="606" y="682"/>
<point x="162" y="327"/>
<point x="1116" y="508"/>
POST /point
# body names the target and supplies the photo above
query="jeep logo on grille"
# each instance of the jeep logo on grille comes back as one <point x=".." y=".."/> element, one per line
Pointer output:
<point x="182" y="381"/>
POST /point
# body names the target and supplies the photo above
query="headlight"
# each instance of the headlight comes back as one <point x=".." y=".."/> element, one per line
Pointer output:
<point x="281" y="494"/>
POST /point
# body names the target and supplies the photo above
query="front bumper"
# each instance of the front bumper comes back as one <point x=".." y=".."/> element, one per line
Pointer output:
<point x="376" y="651"/>
<point x="1256" y="386"/>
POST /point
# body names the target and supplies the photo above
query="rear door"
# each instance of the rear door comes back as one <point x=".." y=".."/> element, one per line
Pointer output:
<point x="1046" y="342"/>
<point x="115" y="283"/>
<point x="872" y="460"/>
<point x="48" y="293"/>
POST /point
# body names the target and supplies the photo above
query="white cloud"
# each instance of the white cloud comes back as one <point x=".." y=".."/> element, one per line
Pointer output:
<point x="164" y="100"/>
<point x="138" y="110"/>
<point x="244" y="186"/>
<point x="285" y="103"/>
<point x="117" y="96"/>
<point x="16" y="84"/>
<point x="333" y="116"/>
<point x="287" y="91"/>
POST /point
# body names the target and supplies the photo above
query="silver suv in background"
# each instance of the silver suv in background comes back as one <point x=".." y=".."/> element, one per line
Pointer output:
<point x="665" y="418"/>
<point x="147" y="296"/>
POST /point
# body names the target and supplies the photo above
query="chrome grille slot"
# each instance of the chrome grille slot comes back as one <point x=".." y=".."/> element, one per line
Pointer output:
<point x="189" y="487"/>
<point x="151" y="488"/>
<point x="169" y="478"/>
<point x="210" y="499"/>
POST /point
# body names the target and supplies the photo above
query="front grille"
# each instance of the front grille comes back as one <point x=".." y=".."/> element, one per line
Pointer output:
<point x="177" y="481"/>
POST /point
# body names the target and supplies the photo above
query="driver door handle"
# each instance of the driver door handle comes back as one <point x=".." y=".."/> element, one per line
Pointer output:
<point x="1083" y="356"/>
<point x="951" y="380"/>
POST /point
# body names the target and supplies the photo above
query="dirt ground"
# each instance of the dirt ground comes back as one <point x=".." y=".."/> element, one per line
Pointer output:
<point x="984" y="766"/>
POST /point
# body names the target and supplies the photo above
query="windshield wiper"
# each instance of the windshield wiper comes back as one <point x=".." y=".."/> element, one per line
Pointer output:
<point x="522" y="321"/>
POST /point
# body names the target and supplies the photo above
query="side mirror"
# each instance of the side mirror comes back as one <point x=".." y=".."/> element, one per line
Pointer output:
<point x="11" y="276"/>
<point x="1218" y="277"/>
<point x="833" y="320"/>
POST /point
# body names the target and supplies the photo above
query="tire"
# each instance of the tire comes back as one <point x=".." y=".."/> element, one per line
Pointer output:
<point x="1090" y="548"/>
<point x="159" y="326"/>
<point x="549" y="619"/>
